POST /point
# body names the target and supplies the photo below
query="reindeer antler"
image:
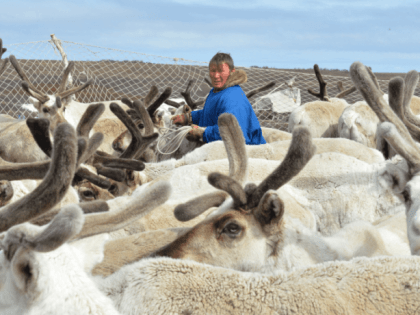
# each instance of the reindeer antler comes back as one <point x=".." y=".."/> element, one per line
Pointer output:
<point x="187" y="96"/>
<point x="138" y="142"/>
<point x="344" y="92"/>
<point x="234" y="142"/>
<point x="2" y="51"/>
<point x="261" y="89"/>
<point x="322" y="95"/>
<point x="28" y="87"/>
<point x="54" y="185"/>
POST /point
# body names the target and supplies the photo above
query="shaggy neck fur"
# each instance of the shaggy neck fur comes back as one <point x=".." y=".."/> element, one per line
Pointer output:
<point x="235" y="78"/>
<point x="296" y="246"/>
<point x="293" y="246"/>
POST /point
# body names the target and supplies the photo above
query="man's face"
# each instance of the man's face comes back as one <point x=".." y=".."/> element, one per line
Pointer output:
<point x="219" y="74"/>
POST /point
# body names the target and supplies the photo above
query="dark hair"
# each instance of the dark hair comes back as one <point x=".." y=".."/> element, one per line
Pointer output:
<point x="221" y="58"/>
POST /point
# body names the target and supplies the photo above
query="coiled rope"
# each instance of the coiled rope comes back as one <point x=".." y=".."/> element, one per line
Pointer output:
<point x="171" y="138"/>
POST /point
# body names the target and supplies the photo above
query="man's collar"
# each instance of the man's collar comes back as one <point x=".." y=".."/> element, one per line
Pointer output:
<point x="235" y="78"/>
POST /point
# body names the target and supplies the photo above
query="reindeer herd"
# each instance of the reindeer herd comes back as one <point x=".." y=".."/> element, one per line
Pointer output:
<point x="321" y="220"/>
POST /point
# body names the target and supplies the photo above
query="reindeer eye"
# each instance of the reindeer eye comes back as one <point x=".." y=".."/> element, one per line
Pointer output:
<point x="232" y="229"/>
<point x="88" y="194"/>
<point x="113" y="189"/>
<point x="46" y="110"/>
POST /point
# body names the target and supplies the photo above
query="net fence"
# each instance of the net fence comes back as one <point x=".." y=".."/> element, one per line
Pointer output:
<point x="118" y="73"/>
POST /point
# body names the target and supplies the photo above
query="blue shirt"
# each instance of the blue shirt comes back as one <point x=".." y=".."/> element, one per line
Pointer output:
<point x="230" y="100"/>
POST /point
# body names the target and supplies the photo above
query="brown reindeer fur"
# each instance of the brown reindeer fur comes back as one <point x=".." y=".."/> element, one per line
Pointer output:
<point x="273" y="135"/>
<point x="415" y="104"/>
<point x="126" y="250"/>
<point x="132" y="210"/>
<point x="109" y="127"/>
<point x="17" y="145"/>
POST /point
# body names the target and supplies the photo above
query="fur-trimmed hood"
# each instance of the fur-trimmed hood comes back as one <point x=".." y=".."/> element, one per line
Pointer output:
<point x="235" y="78"/>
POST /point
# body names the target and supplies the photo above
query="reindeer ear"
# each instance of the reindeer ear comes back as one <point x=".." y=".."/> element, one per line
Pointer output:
<point x="36" y="104"/>
<point x="24" y="270"/>
<point x="270" y="210"/>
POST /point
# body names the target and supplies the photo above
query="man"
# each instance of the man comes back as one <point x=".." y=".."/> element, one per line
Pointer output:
<point x="226" y="96"/>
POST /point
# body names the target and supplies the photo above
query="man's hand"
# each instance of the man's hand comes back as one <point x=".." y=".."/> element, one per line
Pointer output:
<point x="195" y="134"/>
<point x="182" y="119"/>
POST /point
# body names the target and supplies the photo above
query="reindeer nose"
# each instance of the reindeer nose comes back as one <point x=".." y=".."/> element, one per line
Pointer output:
<point x="117" y="145"/>
<point x="6" y="192"/>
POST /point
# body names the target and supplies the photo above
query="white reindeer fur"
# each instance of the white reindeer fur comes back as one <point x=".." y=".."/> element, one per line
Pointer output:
<point x="24" y="187"/>
<point x="413" y="215"/>
<point x="320" y="117"/>
<point x="383" y="285"/>
<point x="270" y="151"/>
<point x="165" y="286"/>
<point x="338" y="189"/>
<point x="301" y="247"/>
<point x="359" y="122"/>
<point x="59" y="285"/>
<point x="108" y="124"/>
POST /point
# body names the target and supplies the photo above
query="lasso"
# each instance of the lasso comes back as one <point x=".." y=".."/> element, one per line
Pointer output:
<point x="171" y="138"/>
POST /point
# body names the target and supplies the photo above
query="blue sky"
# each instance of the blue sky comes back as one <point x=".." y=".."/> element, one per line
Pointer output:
<point x="284" y="34"/>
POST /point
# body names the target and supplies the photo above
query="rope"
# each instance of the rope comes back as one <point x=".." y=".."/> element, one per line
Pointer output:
<point x="171" y="139"/>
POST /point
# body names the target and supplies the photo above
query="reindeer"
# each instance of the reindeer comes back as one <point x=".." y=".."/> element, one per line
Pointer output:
<point x="16" y="141"/>
<point x="255" y="222"/>
<point x="25" y="179"/>
<point x="331" y="191"/>
<point x="359" y="122"/>
<point x="31" y="254"/>
<point x="398" y="126"/>
<point x="160" y="118"/>
<point x="158" y="286"/>
<point x="46" y="274"/>
<point x="61" y="107"/>
<point x="321" y="117"/>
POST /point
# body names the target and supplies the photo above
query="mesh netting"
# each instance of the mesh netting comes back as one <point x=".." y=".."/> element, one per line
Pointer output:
<point x="134" y="73"/>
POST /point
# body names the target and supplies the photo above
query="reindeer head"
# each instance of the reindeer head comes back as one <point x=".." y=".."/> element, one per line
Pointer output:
<point x="50" y="107"/>
<point x="244" y="230"/>
<point x="400" y="130"/>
